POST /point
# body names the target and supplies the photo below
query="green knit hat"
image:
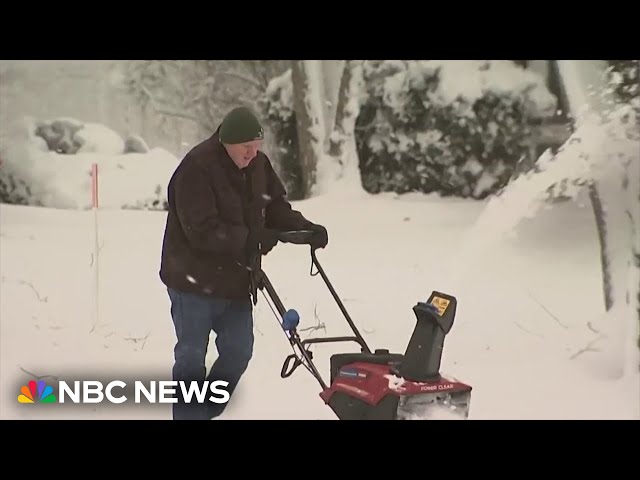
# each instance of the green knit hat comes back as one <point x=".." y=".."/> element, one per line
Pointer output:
<point x="240" y="125"/>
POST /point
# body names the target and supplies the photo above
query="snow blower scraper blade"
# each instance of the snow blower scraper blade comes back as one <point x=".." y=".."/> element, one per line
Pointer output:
<point x="434" y="406"/>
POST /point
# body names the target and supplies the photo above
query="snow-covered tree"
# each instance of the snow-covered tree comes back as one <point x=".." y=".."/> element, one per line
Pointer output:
<point x="312" y="108"/>
<point x="306" y="76"/>
<point x="342" y="144"/>
<point x="277" y="106"/>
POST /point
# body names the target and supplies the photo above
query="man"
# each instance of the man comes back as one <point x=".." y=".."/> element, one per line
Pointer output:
<point x="226" y="204"/>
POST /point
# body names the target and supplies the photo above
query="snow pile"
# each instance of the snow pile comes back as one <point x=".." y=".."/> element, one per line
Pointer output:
<point x="96" y="138"/>
<point x="597" y="150"/>
<point x="49" y="164"/>
<point x="521" y="362"/>
<point x="603" y="151"/>
<point x="524" y="196"/>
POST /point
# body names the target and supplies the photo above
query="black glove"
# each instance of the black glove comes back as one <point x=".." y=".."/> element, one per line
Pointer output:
<point x="320" y="237"/>
<point x="268" y="240"/>
<point x="262" y="240"/>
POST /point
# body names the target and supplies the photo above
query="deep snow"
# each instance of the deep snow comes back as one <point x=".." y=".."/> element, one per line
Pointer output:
<point x="529" y="334"/>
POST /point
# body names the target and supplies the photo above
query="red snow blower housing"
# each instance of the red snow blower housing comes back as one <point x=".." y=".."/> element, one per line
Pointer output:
<point x="379" y="385"/>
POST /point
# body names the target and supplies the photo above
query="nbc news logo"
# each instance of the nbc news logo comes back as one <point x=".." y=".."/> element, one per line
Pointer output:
<point x="93" y="391"/>
<point x="36" y="392"/>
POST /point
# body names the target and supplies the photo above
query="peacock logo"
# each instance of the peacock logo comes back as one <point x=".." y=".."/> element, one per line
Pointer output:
<point x="36" y="392"/>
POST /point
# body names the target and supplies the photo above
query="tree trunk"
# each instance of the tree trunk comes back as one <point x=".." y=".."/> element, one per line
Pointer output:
<point x="346" y="112"/>
<point x="306" y="79"/>
<point x="332" y="73"/>
<point x="634" y="218"/>
<point x="632" y="186"/>
<point x="342" y="140"/>
<point x="601" y="226"/>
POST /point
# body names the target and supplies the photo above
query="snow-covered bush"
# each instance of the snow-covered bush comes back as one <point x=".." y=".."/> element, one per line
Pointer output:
<point x="625" y="78"/>
<point x="277" y="107"/>
<point x="12" y="190"/>
<point x="70" y="136"/>
<point x="49" y="164"/>
<point x="453" y="127"/>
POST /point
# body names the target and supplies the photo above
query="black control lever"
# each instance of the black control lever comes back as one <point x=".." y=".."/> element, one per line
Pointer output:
<point x="287" y="368"/>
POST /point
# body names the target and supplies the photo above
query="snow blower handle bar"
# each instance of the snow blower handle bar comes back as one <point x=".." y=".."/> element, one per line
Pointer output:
<point x="288" y="368"/>
<point x="304" y="237"/>
<point x="298" y="237"/>
<point x="290" y="318"/>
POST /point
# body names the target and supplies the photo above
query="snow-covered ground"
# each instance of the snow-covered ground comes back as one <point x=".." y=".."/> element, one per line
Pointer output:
<point x="529" y="335"/>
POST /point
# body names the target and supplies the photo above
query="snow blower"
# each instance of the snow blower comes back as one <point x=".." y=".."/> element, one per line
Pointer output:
<point x="379" y="385"/>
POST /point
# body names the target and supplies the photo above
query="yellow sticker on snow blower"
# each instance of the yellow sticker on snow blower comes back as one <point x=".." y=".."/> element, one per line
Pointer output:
<point x="441" y="304"/>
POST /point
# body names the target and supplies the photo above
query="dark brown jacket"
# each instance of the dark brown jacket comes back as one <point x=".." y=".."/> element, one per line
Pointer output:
<point x="212" y="206"/>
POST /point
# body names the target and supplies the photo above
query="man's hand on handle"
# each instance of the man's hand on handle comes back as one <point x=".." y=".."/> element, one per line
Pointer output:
<point x="320" y="237"/>
<point x="264" y="239"/>
<point x="309" y="234"/>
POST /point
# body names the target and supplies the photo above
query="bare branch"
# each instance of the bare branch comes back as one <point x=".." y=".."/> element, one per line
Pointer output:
<point x="265" y="70"/>
<point x="547" y="310"/>
<point x="527" y="331"/>
<point x="243" y="99"/>
<point x="164" y="110"/>
<point x="318" y="326"/>
<point x="135" y="340"/>
<point x="242" y="77"/>
<point x="586" y="349"/>
<point x="29" y="284"/>
<point x="39" y="377"/>
<point x="313" y="328"/>
<point x="259" y="331"/>
<point x="176" y="113"/>
<point x="590" y="327"/>
<point x="198" y="91"/>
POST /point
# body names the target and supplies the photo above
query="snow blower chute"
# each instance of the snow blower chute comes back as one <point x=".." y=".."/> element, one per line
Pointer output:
<point x="379" y="385"/>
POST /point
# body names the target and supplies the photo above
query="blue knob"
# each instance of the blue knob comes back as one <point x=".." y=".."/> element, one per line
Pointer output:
<point x="290" y="320"/>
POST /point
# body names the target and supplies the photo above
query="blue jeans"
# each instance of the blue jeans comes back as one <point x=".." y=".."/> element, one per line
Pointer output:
<point x="194" y="317"/>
